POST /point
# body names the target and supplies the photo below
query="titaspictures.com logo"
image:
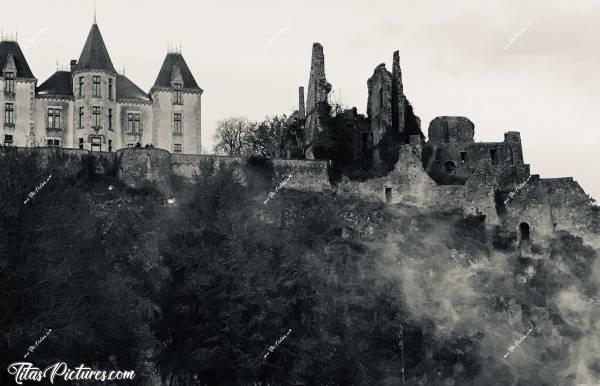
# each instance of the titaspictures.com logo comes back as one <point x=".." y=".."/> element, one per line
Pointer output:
<point x="26" y="371"/>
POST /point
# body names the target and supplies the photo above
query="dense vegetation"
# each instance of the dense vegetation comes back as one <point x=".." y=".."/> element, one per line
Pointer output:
<point x="197" y="291"/>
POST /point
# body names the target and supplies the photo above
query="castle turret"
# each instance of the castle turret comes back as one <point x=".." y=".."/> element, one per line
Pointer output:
<point x="176" y="99"/>
<point x="94" y="82"/>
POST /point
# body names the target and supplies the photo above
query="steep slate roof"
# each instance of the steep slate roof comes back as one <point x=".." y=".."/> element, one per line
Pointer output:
<point x="126" y="89"/>
<point x="6" y="48"/>
<point x="94" y="55"/>
<point x="166" y="72"/>
<point x="58" y="84"/>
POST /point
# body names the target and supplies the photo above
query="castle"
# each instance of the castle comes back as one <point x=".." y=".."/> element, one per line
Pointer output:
<point x="449" y="171"/>
<point x="93" y="107"/>
<point x="95" y="112"/>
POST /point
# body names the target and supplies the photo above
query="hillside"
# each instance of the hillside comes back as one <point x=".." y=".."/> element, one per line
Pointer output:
<point x="200" y="285"/>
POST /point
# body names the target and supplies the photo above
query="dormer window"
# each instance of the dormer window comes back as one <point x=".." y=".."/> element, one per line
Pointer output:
<point x="178" y="97"/>
<point x="9" y="82"/>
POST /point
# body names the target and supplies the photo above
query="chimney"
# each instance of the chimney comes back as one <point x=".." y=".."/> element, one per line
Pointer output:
<point x="73" y="64"/>
<point x="301" y="106"/>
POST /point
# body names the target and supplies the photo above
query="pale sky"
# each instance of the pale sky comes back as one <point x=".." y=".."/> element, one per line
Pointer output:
<point x="456" y="57"/>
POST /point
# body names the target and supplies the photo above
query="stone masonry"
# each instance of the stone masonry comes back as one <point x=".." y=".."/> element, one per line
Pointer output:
<point x="316" y="98"/>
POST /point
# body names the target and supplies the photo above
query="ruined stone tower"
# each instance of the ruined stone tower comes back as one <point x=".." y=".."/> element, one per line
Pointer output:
<point x="379" y="110"/>
<point x="301" y="107"/>
<point x="391" y="121"/>
<point x="316" y="99"/>
<point x="398" y="98"/>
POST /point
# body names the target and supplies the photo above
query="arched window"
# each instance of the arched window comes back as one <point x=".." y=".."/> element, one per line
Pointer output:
<point x="450" y="167"/>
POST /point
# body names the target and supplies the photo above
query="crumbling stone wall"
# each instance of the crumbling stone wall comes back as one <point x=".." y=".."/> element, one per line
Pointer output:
<point x="316" y="99"/>
<point x="549" y="205"/>
<point x="408" y="183"/>
<point x="451" y="129"/>
<point x="391" y="118"/>
<point x="379" y="111"/>
<point x="190" y="165"/>
<point x="139" y="167"/>
<point x="305" y="175"/>
<point x="451" y="156"/>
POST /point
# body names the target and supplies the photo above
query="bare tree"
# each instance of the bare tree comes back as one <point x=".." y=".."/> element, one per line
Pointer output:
<point x="231" y="136"/>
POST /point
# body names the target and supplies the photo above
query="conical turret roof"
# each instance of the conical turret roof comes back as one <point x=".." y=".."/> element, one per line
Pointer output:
<point x="175" y="65"/>
<point x="94" y="55"/>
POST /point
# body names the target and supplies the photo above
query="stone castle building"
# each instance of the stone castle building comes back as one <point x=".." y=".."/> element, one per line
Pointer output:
<point x="93" y="107"/>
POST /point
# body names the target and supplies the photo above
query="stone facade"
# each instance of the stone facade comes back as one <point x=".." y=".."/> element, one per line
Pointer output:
<point x="91" y="106"/>
<point x="316" y="99"/>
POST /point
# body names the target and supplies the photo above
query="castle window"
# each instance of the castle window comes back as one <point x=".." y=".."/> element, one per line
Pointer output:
<point x="110" y="145"/>
<point x="110" y="119"/>
<point x="53" y="143"/>
<point x="178" y="127"/>
<point x="133" y="123"/>
<point x="9" y="114"/>
<point x="54" y="118"/>
<point x="494" y="156"/>
<point x="96" y="116"/>
<point x="81" y="117"/>
<point x="96" y="83"/>
<point x="450" y="167"/>
<point x="178" y="97"/>
<point x="177" y="148"/>
<point x="81" y="143"/>
<point x="81" y="82"/>
<point x="9" y="82"/>
<point x="463" y="157"/>
<point x="110" y="88"/>
<point x="96" y="143"/>
<point x="8" y="140"/>
<point x="388" y="195"/>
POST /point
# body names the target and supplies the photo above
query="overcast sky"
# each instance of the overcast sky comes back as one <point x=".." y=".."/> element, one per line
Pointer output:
<point x="457" y="59"/>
